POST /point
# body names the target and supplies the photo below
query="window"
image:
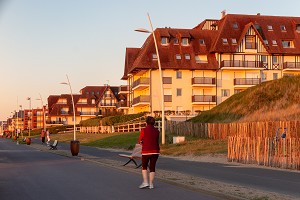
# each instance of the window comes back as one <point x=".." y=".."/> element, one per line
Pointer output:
<point x="184" y="41"/>
<point x="225" y="93"/>
<point x="282" y="28"/>
<point x="178" y="92"/>
<point x="266" y="42"/>
<point x="275" y="59"/>
<point x="178" y="57"/>
<point x="250" y="42"/>
<point x="201" y="59"/>
<point x="275" y="76"/>
<point x="287" y="44"/>
<point x="176" y="41"/>
<point x="93" y="101"/>
<point x="178" y="74"/>
<point x="164" y="40"/>
<point x="298" y="27"/>
<point x="233" y="40"/>
<point x="270" y="27"/>
<point x="187" y="56"/>
<point x="238" y="91"/>
<point x="154" y="56"/>
<point x="235" y="25"/>
<point x="87" y="92"/>
<point x="201" y="42"/>
<point x="225" y="41"/>
<point x="274" y="42"/>
<point x="264" y="59"/>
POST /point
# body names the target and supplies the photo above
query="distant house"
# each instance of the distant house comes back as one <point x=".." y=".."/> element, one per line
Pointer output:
<point x="205" y="65"/>
<point x="92" y="101"/>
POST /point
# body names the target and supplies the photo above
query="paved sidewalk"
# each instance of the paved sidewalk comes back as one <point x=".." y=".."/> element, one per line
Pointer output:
<point x="215" y="178"/>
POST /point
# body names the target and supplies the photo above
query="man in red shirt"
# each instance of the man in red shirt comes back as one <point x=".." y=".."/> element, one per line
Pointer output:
<point x="149" y="138"/>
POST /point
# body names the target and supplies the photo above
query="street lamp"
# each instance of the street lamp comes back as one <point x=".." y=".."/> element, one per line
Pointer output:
<point x="29" y="118"/>
<point x="74" y="144"/>
<point x="161" y="79"/>
<point x="44" y="118"/>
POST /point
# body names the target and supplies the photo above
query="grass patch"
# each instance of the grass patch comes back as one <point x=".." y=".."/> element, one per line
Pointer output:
<point x="123" y="141"/>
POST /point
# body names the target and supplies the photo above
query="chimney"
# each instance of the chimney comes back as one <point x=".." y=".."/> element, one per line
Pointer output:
<point x="223" y="13"/>
<point x="258" y="14"/>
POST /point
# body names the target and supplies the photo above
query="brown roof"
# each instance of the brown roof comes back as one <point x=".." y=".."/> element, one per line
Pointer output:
<point x="141" y="58"/>
<point x="260" y="24"/>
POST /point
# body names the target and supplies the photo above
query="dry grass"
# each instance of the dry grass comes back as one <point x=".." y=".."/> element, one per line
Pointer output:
<point x="193" y="147"/>
<point x="82" y="137"/>
<point x="196" y="147"/>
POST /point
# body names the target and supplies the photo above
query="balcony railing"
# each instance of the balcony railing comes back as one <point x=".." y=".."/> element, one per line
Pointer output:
<point x="167" y="80"/>
<point x="203" y="80"/>
<point x="141" y="82"/>
<point x="203" y="98"/>
<point x="141" y="99"/>
<point x="240" y="63"/>
<point x="123" y="104"/>
<point x="168" y="98"/>
<point x="291" y="65"/>
<point x="107" y="104"/>
<point x="247" y="81"/>
<point x="89" y="113"/>
<point x="123" y="89"/>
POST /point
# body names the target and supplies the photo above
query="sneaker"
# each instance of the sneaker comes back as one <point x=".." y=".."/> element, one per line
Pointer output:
<point x="151" y="186"/>
<point x="144" y="185"/>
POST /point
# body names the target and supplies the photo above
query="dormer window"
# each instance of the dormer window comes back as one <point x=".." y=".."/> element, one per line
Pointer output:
<point x="233" y="40"/>
<point x="175" y="41"/>
<point x="201" y="42"/>
<point x="187" y="56"/>
<point x="270" y="27"/>
<point x="274" y="42"/>
<point x="178" y="57"/>
<point x="184" y="41"/>
<point x="164" y="40"/>
<point x="235" y="25"/>
<point x="225" y="41"/>
<point x="298" y="27"/>
<point x="282" y="28"/>
<point x="287" y="44"/>
<point x="266" y="42"/>
<point x="154" y="56"/>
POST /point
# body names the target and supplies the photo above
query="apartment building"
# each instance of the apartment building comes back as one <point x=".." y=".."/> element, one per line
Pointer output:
<point x="91" y="102"/>
<point x="203" y="66"/>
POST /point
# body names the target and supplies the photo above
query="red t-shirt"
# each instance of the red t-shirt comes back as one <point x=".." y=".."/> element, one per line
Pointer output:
<point x="149" y="138"/>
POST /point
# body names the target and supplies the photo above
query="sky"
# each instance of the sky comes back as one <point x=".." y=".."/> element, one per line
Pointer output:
<point x="42" y="41"/>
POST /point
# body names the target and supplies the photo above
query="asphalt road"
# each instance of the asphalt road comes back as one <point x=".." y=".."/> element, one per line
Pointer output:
<point x="279" y="181"/>
<point x="29" y="174"/>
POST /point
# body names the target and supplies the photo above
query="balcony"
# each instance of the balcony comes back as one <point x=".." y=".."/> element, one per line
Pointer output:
<point x="141" y="100"/>
<point x="89" y="113"/>
<point x="204" y="81"/>
<point x="246" y="81"/>
<point x="239" y="64"/>
<point x="124" y="89"/>
<point x="122" y="104"/>
<point x="141" y="83"/>
<point x="168" y="98"/>
<point x="167" y="80"/>
<point x="204" y="99"/>
<point x="294" y="66"/>
<point x="107" y="104"/>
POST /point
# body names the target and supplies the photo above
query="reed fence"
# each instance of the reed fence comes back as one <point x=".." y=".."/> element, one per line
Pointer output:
<point x="272" y="152"/>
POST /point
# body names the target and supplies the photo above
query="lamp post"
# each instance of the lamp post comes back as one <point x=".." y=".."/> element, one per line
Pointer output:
<point x="43" y="109"/>
<point x="74" y="144"/>
<point x="29" y="117"/>
<point x="161" y="79"/>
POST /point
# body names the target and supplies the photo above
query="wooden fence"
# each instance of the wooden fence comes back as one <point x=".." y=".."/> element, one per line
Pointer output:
<point x="254" y="142"/>
<point x="131" y="127"/>
<point x="272" y="152"/>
